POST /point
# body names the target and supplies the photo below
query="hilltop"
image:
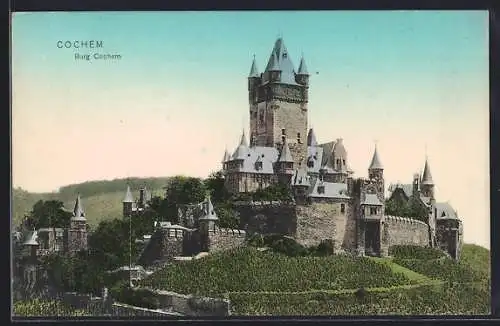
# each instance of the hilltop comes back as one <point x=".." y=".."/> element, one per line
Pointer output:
<point x="101" y="199"/>
<point x="415" y="281"/>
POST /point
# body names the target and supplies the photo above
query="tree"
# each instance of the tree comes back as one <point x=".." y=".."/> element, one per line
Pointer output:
<point x="49" y="213"/>
<point x="216" y="187"/>
<point x="182" y="191"/>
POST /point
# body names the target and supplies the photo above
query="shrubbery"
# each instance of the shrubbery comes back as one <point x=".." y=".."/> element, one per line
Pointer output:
<point x="43" y="308"/>
<point x="123" y="293"/>
<point x="415" y="252"/>
<point x="444" y="269"/>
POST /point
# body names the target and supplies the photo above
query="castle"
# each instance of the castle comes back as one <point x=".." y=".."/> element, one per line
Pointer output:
<point x="320" y="173"/>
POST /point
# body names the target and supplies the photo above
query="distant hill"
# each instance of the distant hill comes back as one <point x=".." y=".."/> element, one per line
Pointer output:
<point x="101" y="199"/>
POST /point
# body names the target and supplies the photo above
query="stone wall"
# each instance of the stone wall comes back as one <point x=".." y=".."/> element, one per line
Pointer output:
<point x="191" y="305"/>
<point x="319" y="221"/>
<point x="267" y="217"/>
<point x="223" y="239"/>
<point x="405" y="231"/>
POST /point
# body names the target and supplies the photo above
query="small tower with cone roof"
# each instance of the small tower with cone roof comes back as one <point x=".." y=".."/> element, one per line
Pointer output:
<point x="77" y="233"/>
<point x="285" y="163"/>
<point x="254" y="81"/>
<point x="376" y="171"/>
<point x="207" y="223"/>
<point x="128" y="203"/>
<point x="302" y="76"/>
<point x="427" y="184"/>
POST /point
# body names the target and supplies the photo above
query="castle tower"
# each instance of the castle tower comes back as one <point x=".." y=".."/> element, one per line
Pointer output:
<point x="77" y="233"/>
<point x="278" y="104"/>
<point x="225" y="159"/>
<point x="236" y="182"/>
<point x="427" y="184"/>
<point x="284" y="165"/>
<point x="339" y="160"/>
<point x="303" y="75"/>
<point x="127" y="203"/>
<point x="207" y="223"/>
<point x="376" y="172"/>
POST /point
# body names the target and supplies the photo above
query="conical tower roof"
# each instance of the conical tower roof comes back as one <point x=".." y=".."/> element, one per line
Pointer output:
<point x="302" y="67"/>
<point x="375" y="164"/>
<point x="128" y="196"/>
<point x="311" y="138"/>
<point x="226" y="157"/>
<point x="275" y="66"/>
<point x="280" y="61"/>
<point x="242" y="150"/>
<point x="286" y="154"/>
<point x="427" y="176"/>
<point x="209" y="213"/>
<point x="254" y="71"/>
<point x="78" y="212"/>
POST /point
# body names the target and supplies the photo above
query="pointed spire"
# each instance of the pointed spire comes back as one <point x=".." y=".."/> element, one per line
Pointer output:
<point x="209" y="213"/>
<point x="302" y="67"/>
<point x="254" y="71"/>
<point x="226" y="157"/>
<point x="311" y="138"/>
<point x="427" y="176"/>
<point x="78" y="212"/>
<point x="128" y="196"/>
<point x="285" y="155"/>
<point x="375" y="164"/>
<point x="242" y="150"/>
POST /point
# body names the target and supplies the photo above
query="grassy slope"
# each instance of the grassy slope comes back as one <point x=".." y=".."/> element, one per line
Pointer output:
<point x="101" y="199"/>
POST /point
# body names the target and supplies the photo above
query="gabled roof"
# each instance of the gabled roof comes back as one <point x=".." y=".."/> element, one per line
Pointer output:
<point x="427" y="176"/>
<point x="286" y="154"/>
<point x="254" y="71"/>
<point x="78" y="212"/>
<point x="331" y="190"/>
<point x="303" y="67"/>
<point x="375" y="164"/>
<point x="280" y="60"/>
<point x="406" y="188"/>
<point x="128" y="196"/>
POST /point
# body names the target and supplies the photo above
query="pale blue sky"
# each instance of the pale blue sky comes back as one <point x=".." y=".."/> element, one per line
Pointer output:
<point x="179" y="93"/>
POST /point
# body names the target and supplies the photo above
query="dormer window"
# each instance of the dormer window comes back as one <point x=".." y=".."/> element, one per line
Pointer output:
<point x="310" y="163"/>
<point x="321" y="189"/>
<point x="373" y="210"/>
<point x="285" y="54"/>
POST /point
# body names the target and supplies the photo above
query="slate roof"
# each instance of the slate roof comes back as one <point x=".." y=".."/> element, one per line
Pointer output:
<point x="315" y="155"/>
<point x="242" y="150"/>
<point x="31" y="239"/>
<point x="302" y="67"/>
<point x="447" y="209"/>
<point x="78" y="212"/>
<point x="285" y="155"/>
<point x="407" y="188"/>
<point x="427" y="176"/>
<point x="300" y="178"/>
<point x="254" y="71"/>
<point x="280" y="60"/>
<point x="128" y="196"/>
<point x="332" y="190"/>
<point x="375" y="164"/>
<point x="371" y="199"/>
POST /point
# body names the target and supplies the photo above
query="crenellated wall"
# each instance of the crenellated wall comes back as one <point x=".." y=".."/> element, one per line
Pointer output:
<point x="405" y="231"/>
<point x="267" y="217"/>
<point x="223" y="239"/>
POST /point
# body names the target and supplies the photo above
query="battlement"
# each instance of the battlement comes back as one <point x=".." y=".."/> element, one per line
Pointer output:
<point x="227" y="232"/>
<point x="404" y="220"/>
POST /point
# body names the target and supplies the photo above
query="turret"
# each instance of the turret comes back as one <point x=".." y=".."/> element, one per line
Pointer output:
<point x="416" y="183"/>
<point x="311" y="138"/>
<point x="241" y="151"/>
<point x="376" y="171"/>
<point x="284" y="165"/>
<point x="142" y="197"/>
<point x="209" y="218"/>
<point x="225" y="159"/>
<point x="77" y="237"/>
<point x="78" y="217"/>
<point x="274" y="70"/>
<point x="302" y="76"/>
<point x="253" y="81"/>
<point x="427" y="184"/>
<point x="128" y="202"/>
<point x="31" y="244"/>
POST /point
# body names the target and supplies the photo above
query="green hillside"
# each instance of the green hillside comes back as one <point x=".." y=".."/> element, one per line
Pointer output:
<point x="270" y="283"/>
<point x="101" y="199"/>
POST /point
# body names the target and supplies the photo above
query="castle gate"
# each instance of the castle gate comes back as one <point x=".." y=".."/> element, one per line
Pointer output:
<point x="372" y="238"/>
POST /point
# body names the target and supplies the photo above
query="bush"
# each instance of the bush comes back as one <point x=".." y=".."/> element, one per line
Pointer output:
<point x="415" y="252"/>
<point x="444" y="269"/>
<point x="123" y="293"/>
<point x="45" y="308"/>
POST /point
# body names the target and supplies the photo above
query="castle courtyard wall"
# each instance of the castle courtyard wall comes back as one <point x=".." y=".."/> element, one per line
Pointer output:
<point x="267" y="217"/>
<point x="224" y="239"/>
<point x="405" y="231"/>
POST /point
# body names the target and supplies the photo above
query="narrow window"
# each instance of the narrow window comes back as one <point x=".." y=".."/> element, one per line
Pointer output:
<point x="373" y="211"/>
<point x="283" y="139"/>
<point x="343" y="162"/>
<point x="342" y="208"/>
<point x="283" y="131"/>
<point x="321" y="189"/>
<point x="298" y="138"/>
